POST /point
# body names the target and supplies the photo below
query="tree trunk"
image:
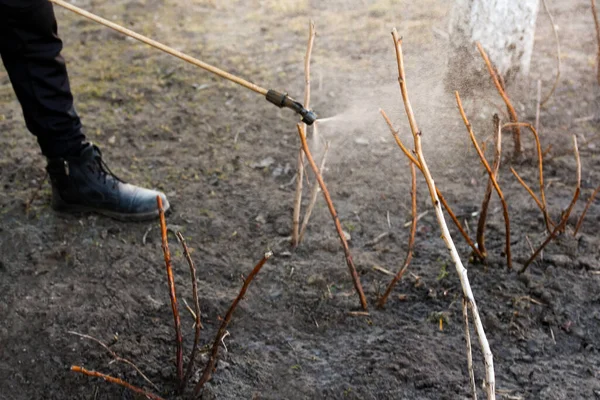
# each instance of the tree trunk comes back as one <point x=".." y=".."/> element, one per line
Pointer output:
<point x="506" y="30"/>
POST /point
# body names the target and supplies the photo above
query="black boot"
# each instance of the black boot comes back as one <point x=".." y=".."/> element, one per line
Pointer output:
<point x="84" y="183"/>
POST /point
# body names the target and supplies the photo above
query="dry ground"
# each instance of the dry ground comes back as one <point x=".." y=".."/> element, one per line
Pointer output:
<point x="166" y="124"/>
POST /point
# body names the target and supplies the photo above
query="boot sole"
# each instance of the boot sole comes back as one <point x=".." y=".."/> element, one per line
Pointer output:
<point x="63" y="207"/>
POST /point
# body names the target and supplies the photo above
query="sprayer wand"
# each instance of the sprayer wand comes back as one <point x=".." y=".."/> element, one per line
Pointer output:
<point x="274" y="97"/>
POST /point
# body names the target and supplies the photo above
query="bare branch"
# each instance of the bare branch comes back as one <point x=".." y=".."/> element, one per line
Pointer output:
<point x="411" y="240"/>
<point x="501" y="91"/>
<point x="115" y="356"/>
<point x="198" y="324"/>
<point x="212" y="361"/>
<point x="549" y="95"/>
<point x="171" y="283"/>
<point x="492" y="178"/>
<point x="116" y="381"/>
<point x="460" y="269"/>
<point x="563" y="222"/>
<point x="336" y="220"/>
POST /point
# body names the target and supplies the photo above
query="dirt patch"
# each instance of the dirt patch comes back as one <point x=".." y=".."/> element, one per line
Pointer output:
<point x="165" y="124"/>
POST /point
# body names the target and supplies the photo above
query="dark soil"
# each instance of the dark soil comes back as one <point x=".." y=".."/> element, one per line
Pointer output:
<point x="166" y="124"/>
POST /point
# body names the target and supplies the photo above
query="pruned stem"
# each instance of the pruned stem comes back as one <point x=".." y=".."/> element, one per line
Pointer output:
<point x="558" y="56"/>
<point x="198" y="324"/>
<point x="300" y="164"/>
<point x="538" y="104"/>
<point x="116" y="381"/>
<point x="445" y="204"/>
<point x="492" y="178"/>
<point x="540" y="155"/>
<point x="502" y="92"/>
<point x="587" y="205"/>
<point x="563" y="222"/>
<point x="336" y="220"/>
<point x="115" y="356"/>
<point x="314" y="193"/>
<point x="297" y="199"/>
<point x="465" y="310"/>
<point x="529" y="190"/>
<point x="171" y="283"/>
<point x="212" y="361"/>
<point x="460" y="269"/>
<point x="488" y="190"/>
<point x="311" y="39"/>
<point x="597" y="24"/>
<point x="411" y="240"/>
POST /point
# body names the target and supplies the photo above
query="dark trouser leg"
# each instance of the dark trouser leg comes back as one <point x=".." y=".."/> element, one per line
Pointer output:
<point x="30" y="50"/>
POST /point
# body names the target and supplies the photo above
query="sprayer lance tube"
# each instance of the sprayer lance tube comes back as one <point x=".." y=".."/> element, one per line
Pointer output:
<point x="280" y="100"/>
<point x="283" y="100"/>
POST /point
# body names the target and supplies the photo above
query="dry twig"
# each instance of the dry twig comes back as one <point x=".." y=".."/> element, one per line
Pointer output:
<point x="314" y="192"/>
<point x="465" y="310"/>
<point x="297" y="198"/>
<point x="212" y="361"/>
<point x="597" y="24"/>
<point x="115" y="356"/>
<point x="336" y="220"/>
<point x="116" y="381"/>
<point x="411" y="240"/>
<point x="460" y="269"/>
<point x="492" y="178"/>
<point x="528" y="189"/>
<point x="538" y="104"/>
<point x="35" y="194"/>
<point x="445" y="204"/>
<point x="311" y="39"/>
<point x="557" y="55"/>
<point x="563" y="222"/>
<point x="488" y="190"/>
<point x="540" y="155"/>
<point x="171" y="282"/>
<point x="300" y="168"/>
<point x="587" y="205"/>
<point x="501" y="91"/>
<point x="198" y="324"/>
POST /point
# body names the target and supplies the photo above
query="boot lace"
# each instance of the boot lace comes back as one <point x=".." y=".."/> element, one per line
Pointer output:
<point x="103" y="170"/>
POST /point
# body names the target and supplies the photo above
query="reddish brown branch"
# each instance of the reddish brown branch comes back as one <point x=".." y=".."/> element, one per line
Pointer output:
<point x="171" y="282"/>
<point x="116" y="381"/>
<point x="297" y="199"/>
<point x="563" y="222"/>
<point x="540" y="155"/>
<point x="492" y="178"/>
<point x="115" y="356"/>
<point x="489" y="383"/>
<point x="336" y="221"/>
<point x="587" y="205"/>
<point x="411" y="240"/>
<point x="502" y="92"/>
<point x="198" y="324"/>
<point x="314" y="192"/>
<point x="298" y="196"/>
<point x="488" y="190"/>
<point x="212" y="361"/>
<point x="558" y="55"/>
<point x="529" y="190"/>
<point x="445" y="204"/>
<point x="597" y="24"/>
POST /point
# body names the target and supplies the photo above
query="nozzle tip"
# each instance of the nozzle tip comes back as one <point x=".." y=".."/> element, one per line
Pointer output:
<point x="309" y="118"/>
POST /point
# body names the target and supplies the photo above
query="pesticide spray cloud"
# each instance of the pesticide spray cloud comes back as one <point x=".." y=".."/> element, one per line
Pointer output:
<point x="350" y="109"/>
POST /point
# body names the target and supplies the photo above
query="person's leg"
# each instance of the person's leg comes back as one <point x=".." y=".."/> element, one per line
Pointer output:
<point x="81" y="181"/>
<point x="30" y="51"/>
